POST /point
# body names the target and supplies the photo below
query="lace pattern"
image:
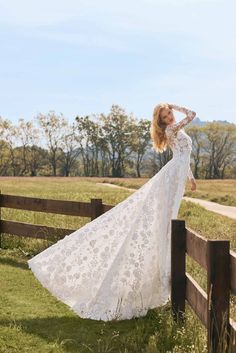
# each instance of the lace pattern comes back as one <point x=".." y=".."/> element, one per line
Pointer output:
<point x="178" y="139"/>
<point x="118" y="265"/>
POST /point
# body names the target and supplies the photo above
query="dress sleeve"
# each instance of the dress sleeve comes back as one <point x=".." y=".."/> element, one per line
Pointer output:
<point x="190" y="174"/>
<point x="190" y="115"/>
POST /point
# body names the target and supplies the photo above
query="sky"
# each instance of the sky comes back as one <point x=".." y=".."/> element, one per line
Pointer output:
<point x="79" y="57"/>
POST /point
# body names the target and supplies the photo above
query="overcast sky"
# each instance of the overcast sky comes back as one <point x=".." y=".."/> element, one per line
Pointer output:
<point x="80" y="57"/>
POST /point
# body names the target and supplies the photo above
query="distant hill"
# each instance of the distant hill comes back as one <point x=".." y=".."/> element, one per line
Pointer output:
<point x="199" y="122"/>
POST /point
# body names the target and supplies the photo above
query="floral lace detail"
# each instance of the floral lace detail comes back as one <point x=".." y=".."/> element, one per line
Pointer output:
<point x="178" y="140"/>
<point x="118" y="265"/>
<point x="174" y="128"/>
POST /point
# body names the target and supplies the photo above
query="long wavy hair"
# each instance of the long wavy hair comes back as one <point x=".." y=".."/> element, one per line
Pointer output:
<point x="157" y="129"/>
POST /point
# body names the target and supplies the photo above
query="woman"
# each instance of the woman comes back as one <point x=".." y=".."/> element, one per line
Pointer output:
<point x="164" y="129"/>
<point x="118" y="265"/>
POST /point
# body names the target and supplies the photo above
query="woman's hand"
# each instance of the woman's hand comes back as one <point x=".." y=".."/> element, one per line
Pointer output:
<point x="193" y="185"/>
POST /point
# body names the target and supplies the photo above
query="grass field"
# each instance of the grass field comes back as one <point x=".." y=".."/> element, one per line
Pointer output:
<point x="221" y="191"/>
<point x="31" y="319"/>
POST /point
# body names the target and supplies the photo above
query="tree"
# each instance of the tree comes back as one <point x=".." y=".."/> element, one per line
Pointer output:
<point x="4" y="159"/>
<point x="140" y="141"/>
<point x="53" y="128"/>
<point x="69" y="146"/>
<point x="157" y="160"/>
<point x="220" y="148"/>
<point x="117" y="127"/>
<point x="197" y="136"/>
<point x="28" y="137"/>
<point x="38" y="159"/>
<point x="9" y="134"/>
<point x="89" y="141"/>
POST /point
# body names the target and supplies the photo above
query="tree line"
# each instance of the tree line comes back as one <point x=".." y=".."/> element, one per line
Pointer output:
<point x="117" y="144"/>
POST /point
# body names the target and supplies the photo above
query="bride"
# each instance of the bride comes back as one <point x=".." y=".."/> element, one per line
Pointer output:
<point x="118" y="265"/>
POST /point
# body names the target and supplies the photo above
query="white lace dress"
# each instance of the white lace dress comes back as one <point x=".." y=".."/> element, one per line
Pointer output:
<point x="118" y="265"/>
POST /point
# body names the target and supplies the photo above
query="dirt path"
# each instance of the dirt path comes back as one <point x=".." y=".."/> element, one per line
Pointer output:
<point x="116" y="186"/>
<point x="229" y="211"/>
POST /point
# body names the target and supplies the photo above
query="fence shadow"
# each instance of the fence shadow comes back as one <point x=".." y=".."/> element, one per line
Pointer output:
<point x="11" y="262"/>
<point x="78" y="332"/>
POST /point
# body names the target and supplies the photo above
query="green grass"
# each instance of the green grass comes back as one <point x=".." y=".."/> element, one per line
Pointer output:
<point x="220" y="191"/>
<point x="211" y="226"/>
<point x="74" y="189"/>
<point x="133" y="183"/>
<point x="31" y="319"/>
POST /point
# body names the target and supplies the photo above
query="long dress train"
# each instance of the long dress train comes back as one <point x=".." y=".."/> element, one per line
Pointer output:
<point x="118" y="265"/>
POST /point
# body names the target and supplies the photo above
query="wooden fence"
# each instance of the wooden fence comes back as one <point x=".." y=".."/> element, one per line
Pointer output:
<point x="73" y="208"/>
<point x="214" y="256"/>
<point x="213" y="307"/>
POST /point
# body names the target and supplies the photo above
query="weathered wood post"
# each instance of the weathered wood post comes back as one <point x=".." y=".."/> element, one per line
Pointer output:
<point x="218" y="295"/>
<point x="232" y="341"/>
<point x="178" y="267"/>
<point x="96" y="208"/>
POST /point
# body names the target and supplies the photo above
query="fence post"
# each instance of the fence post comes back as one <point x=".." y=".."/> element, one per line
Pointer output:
<point x="178" y="267"/>
<point x="96" y="208"/>
<point x="218" y="295"/>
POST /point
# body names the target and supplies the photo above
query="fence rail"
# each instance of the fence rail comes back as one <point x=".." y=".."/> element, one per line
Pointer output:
<point x="213" y="307"/>
<point x="71" y="208"/>
<point x="214" y="256"/>
<point x="92" y="209"/>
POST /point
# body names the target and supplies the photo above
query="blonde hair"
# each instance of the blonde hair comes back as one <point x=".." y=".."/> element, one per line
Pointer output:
<point x="157" y="129"/>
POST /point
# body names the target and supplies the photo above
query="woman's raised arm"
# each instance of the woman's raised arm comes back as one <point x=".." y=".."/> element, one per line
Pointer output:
<point x="190" y="115"/>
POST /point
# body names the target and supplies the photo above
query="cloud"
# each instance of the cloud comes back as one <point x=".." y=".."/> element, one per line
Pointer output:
<point x="208" y="23"/>
<point x="182" y="50"/>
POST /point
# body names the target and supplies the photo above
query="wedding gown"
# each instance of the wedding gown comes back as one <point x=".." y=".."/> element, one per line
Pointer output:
<point x="118" y="265"/>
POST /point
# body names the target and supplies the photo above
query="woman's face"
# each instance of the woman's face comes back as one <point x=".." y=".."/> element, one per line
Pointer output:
<point x="167" y="116"/>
